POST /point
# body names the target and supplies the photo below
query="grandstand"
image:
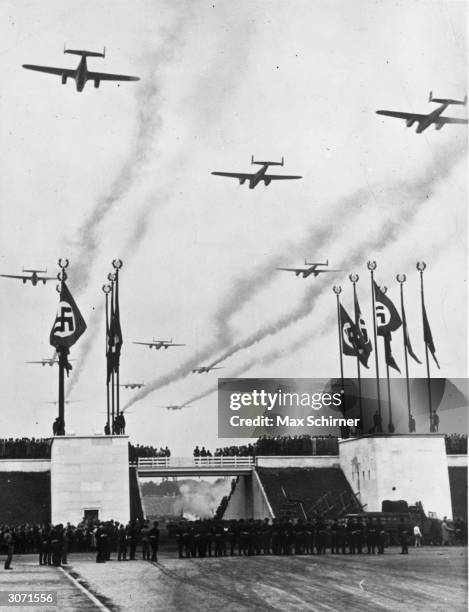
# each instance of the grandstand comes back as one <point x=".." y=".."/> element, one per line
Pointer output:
<point x="304" y="492"/>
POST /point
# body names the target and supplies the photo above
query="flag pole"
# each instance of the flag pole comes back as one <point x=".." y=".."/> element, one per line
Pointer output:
<point x="117" y="264"/>
<point x="62" y="276"/>
<point x="107" y="290"/>
<point x="112" y="278"/>
<point x="421" y="265"/>
<point x="354" y="279"/>
<point x="337" y="289"/>
<point x="371" y="265"/>
<point x="401" y="279"/>
<point x="391" y="428"/>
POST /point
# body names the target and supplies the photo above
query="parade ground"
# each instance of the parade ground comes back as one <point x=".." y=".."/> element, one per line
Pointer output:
<point x="430" y="579"/>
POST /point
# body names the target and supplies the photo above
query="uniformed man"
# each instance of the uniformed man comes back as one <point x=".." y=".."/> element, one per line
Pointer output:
<point x="9" y="545"/>
<point x="154" y="541"/>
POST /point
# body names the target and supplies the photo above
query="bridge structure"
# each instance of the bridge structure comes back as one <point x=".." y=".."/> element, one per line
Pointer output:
<point x="193" y="466"/>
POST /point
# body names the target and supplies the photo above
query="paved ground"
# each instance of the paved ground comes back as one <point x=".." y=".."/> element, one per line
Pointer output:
<point x="429" y="579"/>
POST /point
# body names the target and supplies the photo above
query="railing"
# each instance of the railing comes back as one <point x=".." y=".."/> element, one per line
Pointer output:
<point x="195" y="462"/>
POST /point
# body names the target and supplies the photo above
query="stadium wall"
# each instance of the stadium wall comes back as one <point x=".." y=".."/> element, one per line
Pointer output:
<point x="306" y="461"/>
<point x="90" y="473"/>
<point x="398" y="467"/>
<point x="240" y="504"/>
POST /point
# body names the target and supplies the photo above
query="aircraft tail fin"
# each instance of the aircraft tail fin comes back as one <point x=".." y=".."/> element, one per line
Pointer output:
<point x="447" y="100"/>
<point x="84" y="53"/>
<point x="266" y="163"/>
<point x="40" y="271"/>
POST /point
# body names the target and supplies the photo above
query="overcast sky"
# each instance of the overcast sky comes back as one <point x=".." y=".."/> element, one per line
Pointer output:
<point x="124" y="171"/>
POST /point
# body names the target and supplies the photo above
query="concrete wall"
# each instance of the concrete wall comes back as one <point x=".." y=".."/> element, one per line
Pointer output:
<point x="240" y="504"/>
<point x="306" y="461"/>
<point x="408" y="467"/>
<point x="24" y="465"/>
<point x="261" y="508"/>
<point x="89" y="473"/>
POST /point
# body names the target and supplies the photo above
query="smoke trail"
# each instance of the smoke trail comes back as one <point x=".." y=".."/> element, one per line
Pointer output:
<point x="419" y="191"/>
<point x="148" y="124"/>
<point x="86" y="345"/>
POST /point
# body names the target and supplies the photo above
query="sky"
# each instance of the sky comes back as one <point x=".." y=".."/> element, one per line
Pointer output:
<point x="124" y="171"/>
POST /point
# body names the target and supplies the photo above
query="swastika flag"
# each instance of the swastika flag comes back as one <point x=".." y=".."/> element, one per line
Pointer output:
<point x="387" y="317"/>
<point x="69" y="325"/>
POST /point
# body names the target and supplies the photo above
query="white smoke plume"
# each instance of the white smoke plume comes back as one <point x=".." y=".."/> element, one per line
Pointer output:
<point x="405" y="196"/>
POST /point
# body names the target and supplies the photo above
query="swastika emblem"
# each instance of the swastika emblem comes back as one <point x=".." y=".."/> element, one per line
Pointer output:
<point x="348" y="335"/>
<point x="65" y="321"/>
<point x="383" y="316"/>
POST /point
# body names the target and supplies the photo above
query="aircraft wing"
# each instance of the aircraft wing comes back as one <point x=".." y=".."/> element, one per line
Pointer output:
<point x="15" y="276"/>
<point x="173" y="344"/>
<point x="146" y="343"/>
<point x="292" y="269"/>
<point x="399" y="115"/>
<point x="237" y="175"/>
<point x="105" y="76"/>
<point x="279" y="177"/>
<point x="442" y="120"/>
<point x="50" y="70"/>
<point x="321" y="271"/>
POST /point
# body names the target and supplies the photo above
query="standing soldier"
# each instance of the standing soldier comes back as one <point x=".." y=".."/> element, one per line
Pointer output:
<point x="335" y="538"/>
<point x="134" y="533"/>
<point x="8" y="544"/>
<point x="145" y="540"/>
<point x="122" y="543"/>
<point x="371" y="538"/>
<point x="154" y="541"/>
<point x="403" y="531"/>
<point x="266" y="531"/>
<point x="381" y="537"/>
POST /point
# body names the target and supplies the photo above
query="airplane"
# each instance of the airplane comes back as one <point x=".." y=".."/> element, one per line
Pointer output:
<point x="313" y="269"/>
<point x="206" y="369"/>
<point x="48" y="361"/>
<point x="157" y="344"/>
<point x="81" y="74"/>
<point x="261" y="175"/>
<point x="34" y="278"/>
<point x="175" y="406"/>
<point x="133" y="385"/>
<point x="424" y="121"/>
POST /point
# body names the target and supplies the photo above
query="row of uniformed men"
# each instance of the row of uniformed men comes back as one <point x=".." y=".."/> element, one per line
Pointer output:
<point x="283" y="537"/>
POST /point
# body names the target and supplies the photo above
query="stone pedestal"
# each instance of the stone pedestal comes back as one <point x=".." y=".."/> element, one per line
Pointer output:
<point x="90" y="474"/>
<point x="398" y="467"/>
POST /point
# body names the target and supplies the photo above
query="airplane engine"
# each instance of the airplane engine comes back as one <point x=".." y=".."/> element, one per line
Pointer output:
<point x="438" y="126"/>
<point x="96" y="83"/>
<point x="267" y="182"/>
<point x="242" y="181"/>
<point x="64" y="79"/>
<point x="297" y="273"/>
<point x="410" y="122"/>
<point x="24" y="281"/>
<point x="44" y="282"/>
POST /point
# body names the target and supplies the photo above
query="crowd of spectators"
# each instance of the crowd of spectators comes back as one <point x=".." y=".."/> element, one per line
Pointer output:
<point x="456" y="444"/>
<point x="283" y="445"/>
<point x="140" y="450"/>
<point x="25" y="448"/>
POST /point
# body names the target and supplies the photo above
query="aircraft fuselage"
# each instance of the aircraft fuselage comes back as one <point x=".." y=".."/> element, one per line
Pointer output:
<point x="258" y="177"/>
<point x="81" y="74"/>
<point x="427" y="122"/>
